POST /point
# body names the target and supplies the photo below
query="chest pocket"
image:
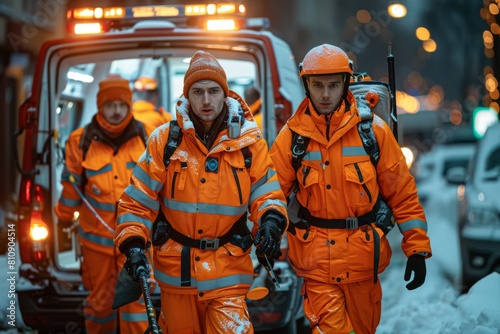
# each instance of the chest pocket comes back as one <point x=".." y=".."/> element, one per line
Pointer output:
<point x="237" y="176"/>
<point x="361" y="183"/>
<point x="98" y="173"/>
<point x="308" y="178"/>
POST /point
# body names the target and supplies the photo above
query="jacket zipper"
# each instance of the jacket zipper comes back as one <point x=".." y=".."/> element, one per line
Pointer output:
<point x="173" y="184"/>
<point x="235" y="174"/>
<point x="360" y="176"/>
<point x="327" y="127"/>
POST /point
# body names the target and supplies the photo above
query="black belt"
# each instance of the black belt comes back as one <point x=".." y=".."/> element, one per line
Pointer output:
<point x="349" y="223"/>
<point x="209" y="244"/>
<point x="203" y="244"/>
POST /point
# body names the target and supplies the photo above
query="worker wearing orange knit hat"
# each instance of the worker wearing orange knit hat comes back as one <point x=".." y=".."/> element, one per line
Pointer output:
<point x="99" y="161"/>
<point x="220" y="170"/>
<point x="146" y="97"/>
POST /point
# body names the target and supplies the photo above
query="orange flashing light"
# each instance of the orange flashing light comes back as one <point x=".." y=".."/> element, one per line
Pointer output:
<point x="214" y="9"/>
<point x="221" y="24"/>
<point x="96" y="13"/>
<point x="87" y="28"/>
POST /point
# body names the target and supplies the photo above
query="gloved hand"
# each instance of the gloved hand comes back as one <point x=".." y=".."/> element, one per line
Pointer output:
<point x="136" y="263"/>
<point x="268" y="236"/>
<point x="416" y="264"/>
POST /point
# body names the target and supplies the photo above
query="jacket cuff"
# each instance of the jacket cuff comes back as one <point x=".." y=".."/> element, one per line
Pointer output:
<point x="132" y="242"/>
<point x="277" y="217"/>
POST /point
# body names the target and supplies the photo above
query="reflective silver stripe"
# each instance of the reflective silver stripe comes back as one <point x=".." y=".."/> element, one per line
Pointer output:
<point x="130" y="164"/>
<point x="226" y="281"/>
<point x="111" y="317"/>
<point x="99" y="205"/>
<point x="104" y="169"/>
<point x="171" y="280"/>
<point x="312" y="156"/>
<point x="207" y="208"/>
<point x="217" y="283"/>
<point x="272" y="202"/>
<point x="131" y="218"/>
<point x="70" y="202"/>
<point x="265" y="189"/>
<point x="144" y="177"/>
<point x="97" y="239"/>
<point x="350" y="151"/>
<point x="142" y="197"/>
<point x="259" y="182"/>
<point x="414" y="223"/>
<point x="134" y="317"/>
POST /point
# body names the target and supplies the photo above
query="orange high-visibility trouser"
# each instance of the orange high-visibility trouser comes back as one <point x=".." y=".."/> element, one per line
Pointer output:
<point x="99" y="274"/>
<point x="343" y="308"/>
<point x="185" y="314"/>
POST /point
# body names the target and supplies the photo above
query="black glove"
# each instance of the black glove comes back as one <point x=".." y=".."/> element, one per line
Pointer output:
<point x="268" y="235"/>
<point x="136" y="263"/>
<point x="415" y="263"/>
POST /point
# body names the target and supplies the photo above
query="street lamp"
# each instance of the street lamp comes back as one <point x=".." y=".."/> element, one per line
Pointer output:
<point x="397" y="10"/>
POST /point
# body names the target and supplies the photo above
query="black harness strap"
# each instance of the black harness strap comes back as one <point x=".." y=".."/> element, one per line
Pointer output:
<point x="174" y="139"/>
<point x="203" y="244"/>
<point x="350" y="223"/>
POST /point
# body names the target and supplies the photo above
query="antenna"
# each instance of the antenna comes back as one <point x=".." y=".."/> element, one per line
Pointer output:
<point x="392" y="86"/>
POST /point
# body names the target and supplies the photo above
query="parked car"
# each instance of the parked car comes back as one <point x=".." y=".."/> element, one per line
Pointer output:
<point x="431" y="173"/>
<point x="156" y="41"/>
<point x="479" y="211"/>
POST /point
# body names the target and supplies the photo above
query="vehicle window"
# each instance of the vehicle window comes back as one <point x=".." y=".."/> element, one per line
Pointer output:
<point x="454" y="163"/>
<point x="492" y="166"/>
<point x="78" y="85"/>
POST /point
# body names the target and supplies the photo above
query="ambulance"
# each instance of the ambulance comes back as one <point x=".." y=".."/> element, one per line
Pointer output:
<point x="155" y="41"/>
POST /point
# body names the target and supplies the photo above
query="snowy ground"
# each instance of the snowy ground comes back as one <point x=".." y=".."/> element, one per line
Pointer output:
<point x="435" y="308"/>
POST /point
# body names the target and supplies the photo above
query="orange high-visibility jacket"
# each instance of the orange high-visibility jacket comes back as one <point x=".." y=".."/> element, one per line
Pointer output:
<point x="145" y="112"/>
<point x="107" y="176"/>
<point x="200" y="203"/>
<point x="337" y="180"/>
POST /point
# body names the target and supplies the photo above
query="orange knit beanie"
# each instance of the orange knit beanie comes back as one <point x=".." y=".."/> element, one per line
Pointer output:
<point x="114" y="87"/>
<point x="204" y="66"/>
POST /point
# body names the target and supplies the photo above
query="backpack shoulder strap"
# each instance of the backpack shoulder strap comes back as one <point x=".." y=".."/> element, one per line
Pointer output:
<point x="174" y="139"/>
<point x="85" y="141"/>
<point x="365" y="129"/>
<point x="247" y="156"/>
<point x="142" y="131"/>
<point x="298" y="149"/>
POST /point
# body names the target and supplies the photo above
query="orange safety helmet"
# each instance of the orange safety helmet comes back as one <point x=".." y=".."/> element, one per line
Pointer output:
<point x="325" y="59"/>
<point x="145" y="83"/>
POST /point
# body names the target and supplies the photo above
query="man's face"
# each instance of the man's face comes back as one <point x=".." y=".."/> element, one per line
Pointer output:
<point x="207" y="99"/>
<point x="115" y="111"/>
<point x="326" y="92"/>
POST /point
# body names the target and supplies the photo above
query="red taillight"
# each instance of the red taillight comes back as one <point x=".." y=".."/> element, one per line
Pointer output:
<point x="33" y="231"/>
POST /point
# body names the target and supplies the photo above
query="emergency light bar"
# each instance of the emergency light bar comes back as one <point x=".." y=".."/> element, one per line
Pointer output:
<point x="96" y="20"/>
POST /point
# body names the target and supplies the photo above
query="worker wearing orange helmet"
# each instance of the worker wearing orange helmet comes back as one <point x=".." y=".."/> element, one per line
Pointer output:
<point x="334" y="244"/>
<point x="99" y="160"/>
<point x="145" y="102"/>
<point x="220" y="170"/>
